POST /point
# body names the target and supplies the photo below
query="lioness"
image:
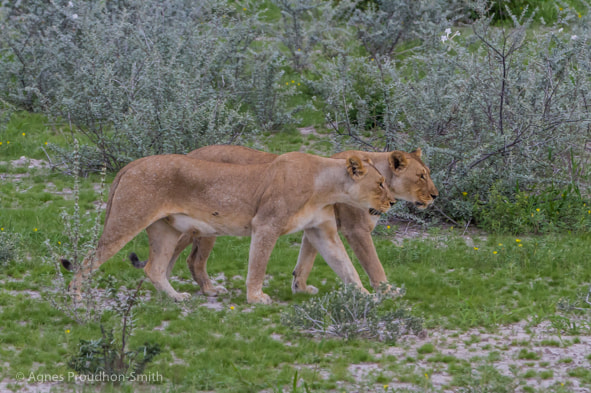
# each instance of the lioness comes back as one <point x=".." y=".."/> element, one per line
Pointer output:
<point x="171" y="195"/>
<point x="407" y="177"/>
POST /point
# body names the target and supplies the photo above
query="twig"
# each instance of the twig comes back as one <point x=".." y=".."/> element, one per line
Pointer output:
<point x="446" y="216"/>
<point x="466" y="227"/>
<point x="48" y="158"/>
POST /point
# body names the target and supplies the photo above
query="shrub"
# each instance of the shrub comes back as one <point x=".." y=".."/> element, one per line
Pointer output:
<point x="8" y="246"/>
<point x="110" y="354"/>
<point x="142" y="77"/>
<point x="494" y="107"/>
<point x="349" y="313"/>
<point x="548" y="210"/>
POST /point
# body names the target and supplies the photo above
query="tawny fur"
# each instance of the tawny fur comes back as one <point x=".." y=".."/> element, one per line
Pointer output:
<point x="407" y="177"/>
<point x="178" y="199"/>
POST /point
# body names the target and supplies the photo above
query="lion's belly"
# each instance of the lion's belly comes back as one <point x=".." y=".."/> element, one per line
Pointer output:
<point x="214" y="226"/>
<point x="307" y="218"/>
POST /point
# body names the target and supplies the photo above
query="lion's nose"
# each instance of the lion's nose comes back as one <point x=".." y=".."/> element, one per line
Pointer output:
<point x="434" y="196"/>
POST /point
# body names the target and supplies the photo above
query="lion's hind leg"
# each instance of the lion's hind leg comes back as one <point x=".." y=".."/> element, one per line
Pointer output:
<point x="163" y="244"/>
<point x="197" y="262"/>
<point x="303" y="267"/>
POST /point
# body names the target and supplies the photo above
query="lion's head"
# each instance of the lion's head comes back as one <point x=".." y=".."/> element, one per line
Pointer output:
<point x="369" y="185"/>
<point x="411" y="180"/>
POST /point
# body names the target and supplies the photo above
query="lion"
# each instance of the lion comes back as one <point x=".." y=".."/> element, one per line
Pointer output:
<point x="175" y="196"/>
<point x="407" y="177"/>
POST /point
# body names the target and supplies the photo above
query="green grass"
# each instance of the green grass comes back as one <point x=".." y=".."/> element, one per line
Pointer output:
<point x="244" y="348"/>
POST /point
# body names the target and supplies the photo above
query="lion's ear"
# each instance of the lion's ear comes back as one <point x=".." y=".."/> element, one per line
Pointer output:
<point x="417" y="152"/>
<point x="397" y="161"/>
<point x="355" y="168"/>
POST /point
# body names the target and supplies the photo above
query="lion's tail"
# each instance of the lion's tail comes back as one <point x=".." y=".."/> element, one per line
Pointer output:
<point x="135" y="261"/>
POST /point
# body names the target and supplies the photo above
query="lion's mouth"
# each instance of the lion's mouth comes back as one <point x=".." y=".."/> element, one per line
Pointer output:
<point x="375" y="212"/>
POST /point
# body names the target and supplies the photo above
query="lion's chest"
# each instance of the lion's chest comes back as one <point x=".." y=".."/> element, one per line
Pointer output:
<point x="308" y="217"/>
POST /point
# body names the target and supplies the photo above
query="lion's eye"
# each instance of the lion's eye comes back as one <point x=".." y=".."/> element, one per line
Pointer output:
<point x="422" y="176"/>
<point x="381" y="185"/>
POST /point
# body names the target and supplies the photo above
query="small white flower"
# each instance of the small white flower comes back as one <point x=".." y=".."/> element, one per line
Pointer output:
<point x="74" y="16"/>
<point x="70" y="4"/>
<point x="443" y="38"/>
<point x="560" y="30"/>
<point x="448" y="31"/>
<point x="574" y="37"/>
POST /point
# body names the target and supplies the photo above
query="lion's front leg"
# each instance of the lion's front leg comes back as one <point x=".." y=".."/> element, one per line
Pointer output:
<point x="326" y="240"/>
<point x="362" y="244"/>
<point x="261" y="244"/>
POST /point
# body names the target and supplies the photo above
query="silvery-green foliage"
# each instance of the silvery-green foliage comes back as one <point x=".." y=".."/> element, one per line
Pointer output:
<point x="300" y="28"/>
<point x="8" y="246"/>
<point x="503" y="106"/>
<point x="358" y="96"/>
<point x="500" y="108"/>
<point x="349" y="313"/>
<point x="383" y="25"/>
<point x="142" y="77"/>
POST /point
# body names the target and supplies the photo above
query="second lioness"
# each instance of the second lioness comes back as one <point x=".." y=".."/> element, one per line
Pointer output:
<point x="407" y="177"/>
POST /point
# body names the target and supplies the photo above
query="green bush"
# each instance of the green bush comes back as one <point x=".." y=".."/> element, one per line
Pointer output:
<point x="350" y="313"/>
<point x="143" y="77"/>
<point x="544" y="211"/>
<point x="8" y="246"/>
<point x="490" y="106"/>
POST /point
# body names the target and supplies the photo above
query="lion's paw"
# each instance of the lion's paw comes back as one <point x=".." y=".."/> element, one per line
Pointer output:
<point x="390" y="290"/>
<point x="181" y="297"/>
<point x="214" y="291"/>
<point x="260" y="298"/>
<point x="76" y="296"/>
<point x="296" y="287"/>
<point x="311" y="290"/>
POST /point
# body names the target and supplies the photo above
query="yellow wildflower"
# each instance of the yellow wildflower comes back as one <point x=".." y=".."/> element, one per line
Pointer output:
<point x="518" y="240"/>
<point x="67" y="331"/>
<point x="464" y="193"/>
<point x="231" y="307"/>
<point x="538" y="210"/>
<point x="476" y="248"/>
<point x="494" y="252"/>
<point x="24" y="134"/>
